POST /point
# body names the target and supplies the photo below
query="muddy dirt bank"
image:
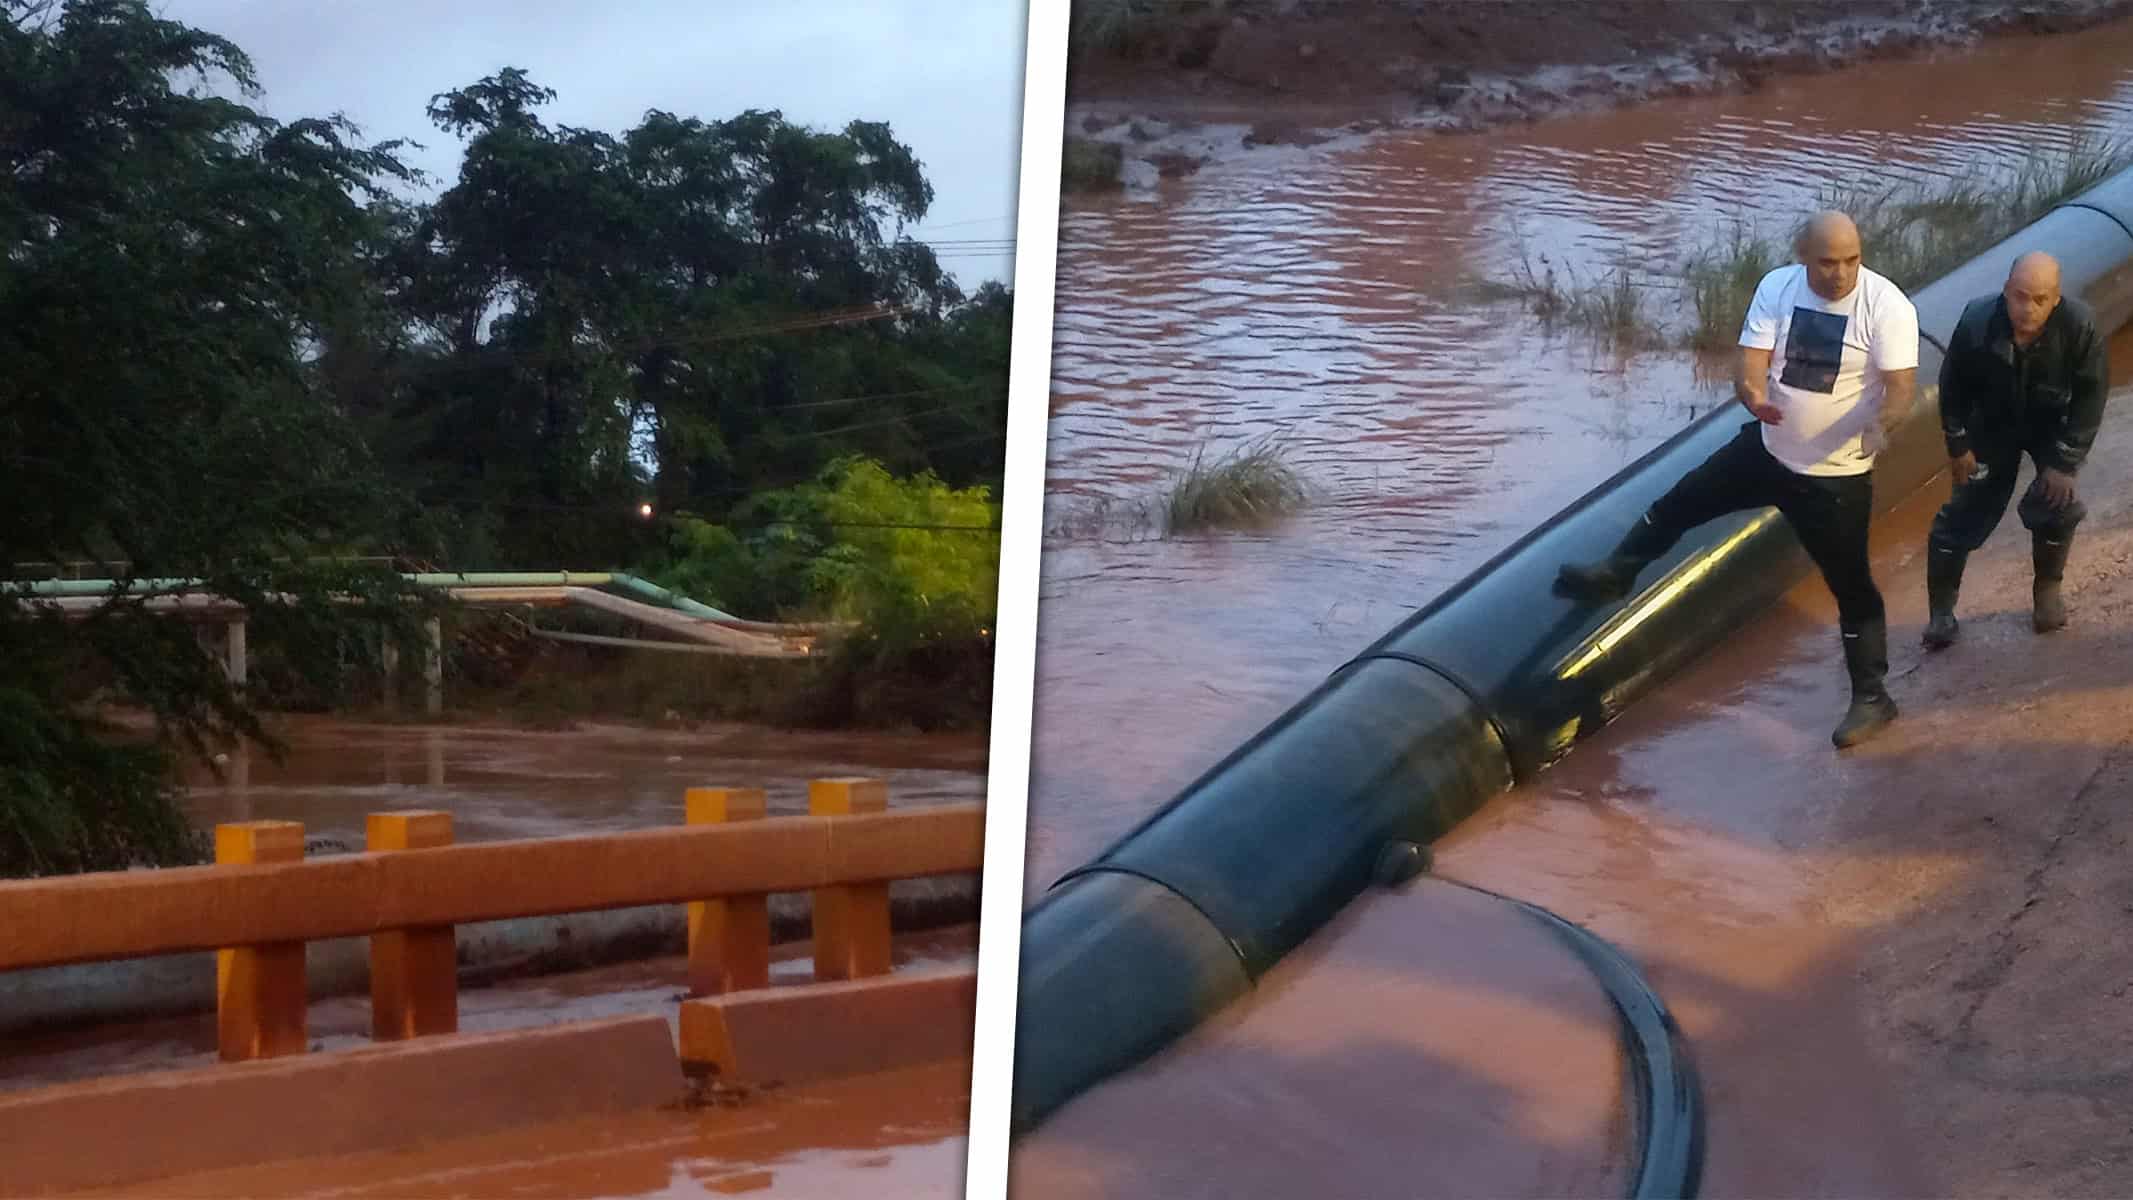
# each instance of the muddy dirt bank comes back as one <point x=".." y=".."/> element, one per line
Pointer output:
<point x="1223" y="77"/>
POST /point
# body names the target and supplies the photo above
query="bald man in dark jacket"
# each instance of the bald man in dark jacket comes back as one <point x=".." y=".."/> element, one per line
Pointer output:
<point x="2026" y="373"/>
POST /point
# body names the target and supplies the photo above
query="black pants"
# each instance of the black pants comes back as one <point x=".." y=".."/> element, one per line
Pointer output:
<point x="1974" y="509"/>
<point x="1829" y="514"/>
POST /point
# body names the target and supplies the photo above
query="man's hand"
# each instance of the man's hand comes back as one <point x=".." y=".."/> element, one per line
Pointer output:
<point x="2058" y="487"/>
<point x="1749" y="385"/>
<point x="1873" y="439"/>
<point x="1963" y="467"/>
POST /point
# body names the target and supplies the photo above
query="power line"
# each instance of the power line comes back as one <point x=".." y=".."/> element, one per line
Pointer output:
<point x="915" y="392"/>
<point x="728" y="522"/>
<point x="968" y="221"/>
<point x="488" y="355"/>
<point x="805" y="434"/>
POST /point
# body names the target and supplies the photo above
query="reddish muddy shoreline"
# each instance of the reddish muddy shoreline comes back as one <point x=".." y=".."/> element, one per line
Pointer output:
<point x="1287" y="72"/>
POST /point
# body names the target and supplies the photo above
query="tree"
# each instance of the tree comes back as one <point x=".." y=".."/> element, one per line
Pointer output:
<point x="174" y="263"/>
<point x="694" y="310"/>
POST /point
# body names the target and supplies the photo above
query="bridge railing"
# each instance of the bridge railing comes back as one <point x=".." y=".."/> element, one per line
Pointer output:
<point x="261" y="901"/>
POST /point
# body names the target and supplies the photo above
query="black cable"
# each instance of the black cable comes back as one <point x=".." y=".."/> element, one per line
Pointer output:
<point x="1669" y="1097"/>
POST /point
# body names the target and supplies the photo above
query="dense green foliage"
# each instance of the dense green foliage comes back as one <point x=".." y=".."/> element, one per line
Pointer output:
<point x="908" y="567"/>
<point x="262" y="355"/>
<point x="910" y="559"/>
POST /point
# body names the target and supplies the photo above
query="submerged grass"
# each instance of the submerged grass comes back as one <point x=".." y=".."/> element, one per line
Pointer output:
<point x="1250" y="486"/>
<point x="1612" y="309"/>
<point x="1720" y="280"/>
<point x="1913" y="233"/>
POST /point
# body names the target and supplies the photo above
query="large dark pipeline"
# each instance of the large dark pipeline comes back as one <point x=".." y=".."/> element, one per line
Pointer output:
<point x="1476" y="692"/>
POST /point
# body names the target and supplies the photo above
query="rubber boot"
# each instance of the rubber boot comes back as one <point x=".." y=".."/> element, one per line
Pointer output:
<point x="1866" y="657"/>
<point x="2048" y="611"/>
<point x="1944" y="578"/>
<point x="1610" y="578"/>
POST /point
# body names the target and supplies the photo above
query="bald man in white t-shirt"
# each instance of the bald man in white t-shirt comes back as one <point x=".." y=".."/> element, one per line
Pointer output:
<point x="1828" y="366"/>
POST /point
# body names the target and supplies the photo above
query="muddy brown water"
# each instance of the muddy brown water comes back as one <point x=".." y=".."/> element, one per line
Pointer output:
<point x="1317" y="295"/>
<point x="500" y="782"/>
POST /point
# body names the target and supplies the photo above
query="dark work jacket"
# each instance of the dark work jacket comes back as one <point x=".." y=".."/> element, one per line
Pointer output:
<point x="1998" y="399"/>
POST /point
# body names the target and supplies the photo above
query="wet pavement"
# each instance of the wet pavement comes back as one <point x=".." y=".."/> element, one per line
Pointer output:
<point x="894" y="1133"/>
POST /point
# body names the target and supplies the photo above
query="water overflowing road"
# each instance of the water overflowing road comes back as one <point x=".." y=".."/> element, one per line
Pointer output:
<point x="1323" y="295"/>
<point x="515" y="783"/>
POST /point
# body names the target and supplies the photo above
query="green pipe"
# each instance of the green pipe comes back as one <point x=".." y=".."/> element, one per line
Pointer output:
<point x="510" y="578"/>
<point x="680" y="603"/>
<point x="104" y="587"/>
<point x="98" y="587"/>
<point x="642" y="589"/>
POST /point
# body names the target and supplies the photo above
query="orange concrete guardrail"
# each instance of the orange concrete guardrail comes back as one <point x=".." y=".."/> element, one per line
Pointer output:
<point x="823" y="1031"/>
<point x="133" y="1130"/>
<point x="261" y="901"/>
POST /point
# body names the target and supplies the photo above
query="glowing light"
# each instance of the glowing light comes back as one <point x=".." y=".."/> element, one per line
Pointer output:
<point x="644" y="510"/>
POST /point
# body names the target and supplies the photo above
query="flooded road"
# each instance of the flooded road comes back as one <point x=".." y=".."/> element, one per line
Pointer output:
<point x="1319" y="295"/>
<point x="517" y="783"/>
<point x="898" y="1132"/>
<point x="893" y="1134"/>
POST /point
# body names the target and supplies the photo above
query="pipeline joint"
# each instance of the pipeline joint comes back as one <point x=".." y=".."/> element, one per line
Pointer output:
<point x="1400" y="862"/>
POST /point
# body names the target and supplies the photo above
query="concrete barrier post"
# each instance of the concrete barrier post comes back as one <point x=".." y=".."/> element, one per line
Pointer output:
<point x="259" y="990"/>
<point x="414" y="973"/>
<point x="433" y="666"/>
<point x="389" y="661"/>
<point x="729" y="938"/>
<point x="851" y="921"/>
<point x="234" y="652"/>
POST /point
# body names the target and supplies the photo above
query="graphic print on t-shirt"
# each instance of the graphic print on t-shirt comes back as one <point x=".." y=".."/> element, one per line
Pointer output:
<point x="1814" y="349"/>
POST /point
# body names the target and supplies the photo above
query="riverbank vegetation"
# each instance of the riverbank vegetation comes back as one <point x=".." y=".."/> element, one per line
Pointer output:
<point x="269" y="357"/>
<point x="1913" y="233"/>
<point x="1086" y="165"/>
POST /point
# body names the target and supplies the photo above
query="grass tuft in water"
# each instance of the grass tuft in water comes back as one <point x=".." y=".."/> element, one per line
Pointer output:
<point x="1612" y="309"/>
<point x="1251" y="486"/>
<point x="1720" y="280"/>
